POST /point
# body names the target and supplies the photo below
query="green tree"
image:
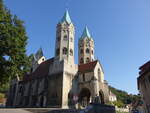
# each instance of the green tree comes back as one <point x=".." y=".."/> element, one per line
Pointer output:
<point x="13" y="41"/>
<point x="124" y="97"/>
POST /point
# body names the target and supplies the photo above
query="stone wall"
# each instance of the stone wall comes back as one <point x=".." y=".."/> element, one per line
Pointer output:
<point x="54" y="96"/>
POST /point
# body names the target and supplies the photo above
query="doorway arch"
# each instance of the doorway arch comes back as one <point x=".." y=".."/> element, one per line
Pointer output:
<point x="101" y="95"/>
<point x="84" y="97"/>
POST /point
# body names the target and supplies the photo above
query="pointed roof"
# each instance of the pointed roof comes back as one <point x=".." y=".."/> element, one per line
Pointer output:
<point x="39" y="54"/>
<point x="86" y="33"/>
<point x="66" y="18"/>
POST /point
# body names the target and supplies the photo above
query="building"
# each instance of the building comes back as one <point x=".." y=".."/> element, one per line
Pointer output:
<point x="112" y="97"/>
<point x="58" y="81"/>
<point x="144" y="85"/>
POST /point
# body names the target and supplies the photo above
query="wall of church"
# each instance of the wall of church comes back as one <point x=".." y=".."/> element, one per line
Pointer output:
<point x="54" y="96"/>
<point x="12" y="93"/>
<point x="98" y="73"/>
<point x="105" y="89"/>
<point x="84" y="77"/>
<point x="30" y="93"/>
<point x="70" y="71"/>
<point x="26" y="88"/>
<point x="18" y="101"/>
<point x="56" y="67"/>
<point x="86" y="81"/>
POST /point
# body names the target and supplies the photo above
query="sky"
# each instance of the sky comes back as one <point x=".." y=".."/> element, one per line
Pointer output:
<point x="120" y="29"/>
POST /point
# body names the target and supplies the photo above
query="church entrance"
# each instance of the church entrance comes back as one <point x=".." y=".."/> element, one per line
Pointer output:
<point x="101" y="95"/>
<point x="84" y="97"/>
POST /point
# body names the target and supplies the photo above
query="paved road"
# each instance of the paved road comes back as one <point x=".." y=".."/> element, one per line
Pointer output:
<point x="38" y="110"/>
<point x="13" y="111"/>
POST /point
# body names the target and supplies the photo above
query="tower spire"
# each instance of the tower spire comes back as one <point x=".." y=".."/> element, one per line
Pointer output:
<point x="64" y="49"/>
<point x="86" y="47"/>
<point x="85" y="33"/>
<point x="66" y="17"/>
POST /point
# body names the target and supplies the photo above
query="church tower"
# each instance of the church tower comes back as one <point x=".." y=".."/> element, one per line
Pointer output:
<point x="85" y="47"/>
<point x="64" y="48"/>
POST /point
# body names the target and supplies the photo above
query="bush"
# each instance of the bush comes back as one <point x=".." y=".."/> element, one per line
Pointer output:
<point x="118" y="103"/>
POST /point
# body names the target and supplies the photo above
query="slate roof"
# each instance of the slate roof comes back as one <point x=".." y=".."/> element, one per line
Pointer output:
<point x="66" y="18"/>
<point x="42" y="70"/>
<point x="88" y="67"/>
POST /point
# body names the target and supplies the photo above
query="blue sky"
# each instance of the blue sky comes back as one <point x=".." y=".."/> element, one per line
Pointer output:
<point x="120" y="29"/>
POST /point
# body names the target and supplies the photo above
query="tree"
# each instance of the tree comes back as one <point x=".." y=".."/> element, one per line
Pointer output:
<point x="123" y="97"/>
<point x="13" y="41"/>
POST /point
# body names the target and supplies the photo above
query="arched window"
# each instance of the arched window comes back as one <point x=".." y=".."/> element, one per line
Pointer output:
<point x="71" y="52"/>
<point x="98" y="73"/>
<point x="81" y="61"/>
<point x="87" y="50"/>
<point x="65" y="37"/>
<point x="87" y="60"/>
<point x="65" y="50"/>
<point x="81" y="51"/>
<point x="57" y="52"/>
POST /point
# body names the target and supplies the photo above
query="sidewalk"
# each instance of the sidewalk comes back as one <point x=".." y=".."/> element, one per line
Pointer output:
<point x="13" y="111"/>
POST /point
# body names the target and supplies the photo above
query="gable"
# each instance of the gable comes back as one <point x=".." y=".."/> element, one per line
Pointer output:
<point x="100" y="66"/>
<point x="88" y="67"/>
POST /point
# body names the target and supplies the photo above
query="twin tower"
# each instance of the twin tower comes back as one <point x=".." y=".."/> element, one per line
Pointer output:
<point x="64" y="48"/>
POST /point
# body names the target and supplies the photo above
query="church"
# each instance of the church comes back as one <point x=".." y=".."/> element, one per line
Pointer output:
<point x="58" y="81"/>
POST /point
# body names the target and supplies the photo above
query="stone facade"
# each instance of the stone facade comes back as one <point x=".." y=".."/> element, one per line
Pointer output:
<point x="58" y="81"/>
<point x="86" y="48"/>
<point x="143" y="85"/>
